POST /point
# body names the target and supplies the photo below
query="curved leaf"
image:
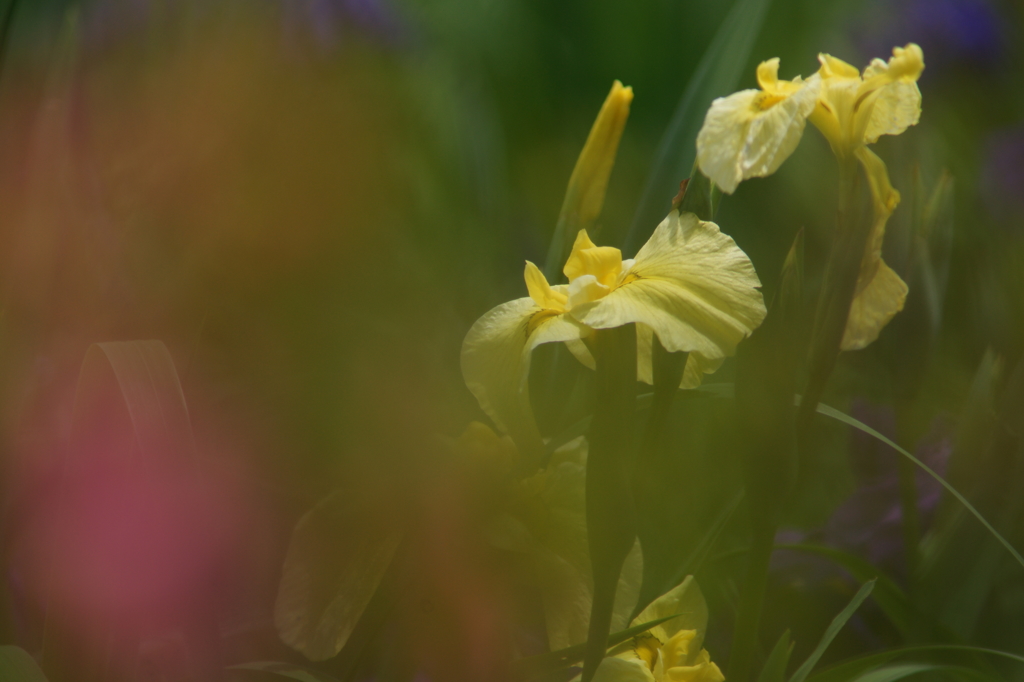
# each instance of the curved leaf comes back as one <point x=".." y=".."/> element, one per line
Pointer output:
<point x="16" y="665"/>
<point x="830" y="633"/>
<point x="336" y="560"/>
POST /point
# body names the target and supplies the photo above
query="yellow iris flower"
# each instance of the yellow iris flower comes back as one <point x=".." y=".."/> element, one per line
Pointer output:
<point x="689" y="284"/>
<point x="750" y="133"/>
<point x="670" y="652"/>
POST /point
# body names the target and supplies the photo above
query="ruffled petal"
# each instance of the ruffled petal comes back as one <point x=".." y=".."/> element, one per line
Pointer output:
<point x="696" y="364"/>
<point x="691" y="284"/>
<point x="496" y="361"/>
<point x="897" y="107"/>
<point x="750" y="133"/>
<point x="684" y="599"/>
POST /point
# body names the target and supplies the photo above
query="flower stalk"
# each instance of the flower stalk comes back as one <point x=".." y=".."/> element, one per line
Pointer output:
<point x="611" y="517"/>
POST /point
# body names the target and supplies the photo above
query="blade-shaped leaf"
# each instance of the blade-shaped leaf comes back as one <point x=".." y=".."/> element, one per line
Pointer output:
<point x="853" y="668"/>
<point x="563" y="658"/>
<point x="892" y="600"/>
<point x="830" y="633"/>
<point x="846" y="419"/>
<point x="893" y="673"/>
<point x="136" y="378"/>
<point x="774" y="669"/>
<point x="17" y="666"/>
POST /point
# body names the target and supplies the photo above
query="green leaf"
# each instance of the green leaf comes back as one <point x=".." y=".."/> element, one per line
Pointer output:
<point x="892" y="600"/>
<point x="855" y="667"/>
<point x="611" y="517"/>
<point x="774" y="669"/>
<point x="830" y="633"/>
<point x="563" y="658"/>
<point x="846" y="419"/>
<point x="288" y="670"/>
<point x="17" y="666"/>
<point x="336" y="559"/>
<point x="716" y="74"/>
<point x="694" y="559"/>
<point x="893" y="673"/>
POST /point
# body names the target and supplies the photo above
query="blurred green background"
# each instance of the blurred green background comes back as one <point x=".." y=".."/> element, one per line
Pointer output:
<point x="311" y="201"/>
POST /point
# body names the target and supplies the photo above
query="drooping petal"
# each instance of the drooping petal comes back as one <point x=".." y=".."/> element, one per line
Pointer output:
<point x="696" y="367"/>
<point x="750" y="133"/>
<point x="691" y="284"/>
<point x="881" y="297"/>
<point x="696" y="364"/>
<point x="581" y="352"/>
<point x="496" y="361"/>
<point x="880" y="292"/>
<point x="897" y="103"/>
<point x="686" y="600"/>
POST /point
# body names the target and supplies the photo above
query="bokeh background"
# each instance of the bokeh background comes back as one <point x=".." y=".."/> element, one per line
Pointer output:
<point x="310" y="202"/>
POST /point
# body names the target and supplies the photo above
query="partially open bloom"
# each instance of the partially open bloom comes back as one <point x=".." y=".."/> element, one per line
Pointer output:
<point x="751" y="132"/>
<point x="669" y="652"/>
<point x="689" y="284"/>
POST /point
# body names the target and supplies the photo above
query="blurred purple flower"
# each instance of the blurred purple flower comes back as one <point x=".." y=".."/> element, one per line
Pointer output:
<point x="870" y="522"/>
<point x="326" y="20"/>
<point x="952" y="33"/>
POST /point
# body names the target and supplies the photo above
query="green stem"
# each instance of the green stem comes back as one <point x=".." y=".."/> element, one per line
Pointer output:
<point x="748" y="620"/>
<point x="611" y="518"/>
<point x="837" y="292"/>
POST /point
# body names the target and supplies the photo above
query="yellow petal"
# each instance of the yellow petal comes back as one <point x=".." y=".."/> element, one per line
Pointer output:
<point x="603" y="262"/>
<point x="833" y="67"/>
<point x="897" y="103"/>
<point x="750" y="133"/>
<point x="702" y="672"/>
<point x="877" y="302"/>
<point x="496" y="362"/>
<point x="585" y="194"/>
<point x="880" y="292"/>
<point x="696" y="364"/>
<point x="616" y="669"/>
<point x="691" y="284"/>
<point x="541" y="292"/>
<point x="686" y="600"/>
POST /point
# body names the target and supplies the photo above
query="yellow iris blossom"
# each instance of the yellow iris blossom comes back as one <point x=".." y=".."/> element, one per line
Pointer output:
<point x="689" y="284"/>
<point x="669" y="652"/>
<point x="750" y="133"/>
